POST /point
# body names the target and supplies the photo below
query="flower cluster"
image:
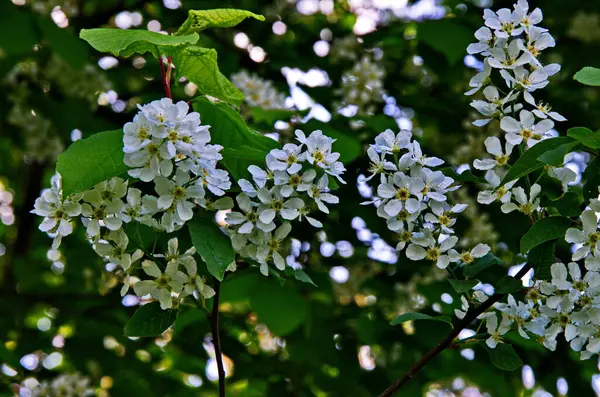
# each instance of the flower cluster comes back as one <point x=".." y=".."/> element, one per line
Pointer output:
<point x="259" y="92"/>
<point x="512" y="45"/>
<point x="66" y="385"/>
<point x="363" y="85"/>
<point x="167" y="147"/>
<point x="412" y="197"/>
<point x="567" y="304"/>
<point x="296" y="175"/>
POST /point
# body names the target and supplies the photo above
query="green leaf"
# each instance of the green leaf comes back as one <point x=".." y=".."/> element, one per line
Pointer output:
<point x="90" y="161"/>
<point x="268" y="117"/>
<point x="447" y="36"/>
<point x="480" y="264"/>
<point x="508" y="285"/>
<point x="301" y="275"/>
<point x="228" y="128"/>
<point x="585" y="136"/>
<point x="567" y="205"/>
<point x="504" y="357"/>
<point x="588" y="76"/>
<point x="150" y="320"/>
<point x="237" y="161"/>
<point x="281" y="308"/>
<point x="143" y="236"/>
<point x="126" y="42"/>
<point x="529" y="162"/>
<point x="545" y="229"/>
<point x="420" y="316"/>
<point x="592" y="179"/>
<point x="579" y="133"/>
<point x="211" y="243"/>
<point x="556" y="157"/>
<point x="462" y="286"/>
<point x="219" y="18"/>
<point x="541" y="259"/>
<point x="200" y="67"/>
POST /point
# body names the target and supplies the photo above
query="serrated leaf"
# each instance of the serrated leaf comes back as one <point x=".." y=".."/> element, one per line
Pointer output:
<point x="211" y="244"/>
<point x="592" y="179"/>
<point x="508" y="285"/>
<point x="588" y="76"/>
<point x="90" y="161"/>
<point x="556" y="157"/>
<point x="412" y="316"/>
<point x="504" y="357"/>
<point x="462" y="286"/>
<point x="301" y="275"/>
<point x="541" y="259"/>
<point x="126" y="42"/>
<point x="150" y="320"/>
<point x="200" y="67"/>
<point x="480" y="264"/>
<point x="529" y="162"/>
<point x="545" y="229"/>
<point x="198" y="20"/>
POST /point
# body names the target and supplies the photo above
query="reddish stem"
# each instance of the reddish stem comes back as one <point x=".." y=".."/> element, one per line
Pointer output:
<point x="166" y="76"/>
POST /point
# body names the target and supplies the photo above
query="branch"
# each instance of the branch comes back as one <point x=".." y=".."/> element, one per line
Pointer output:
<point x="448" y="339"/>
<point x="214" y="322"/>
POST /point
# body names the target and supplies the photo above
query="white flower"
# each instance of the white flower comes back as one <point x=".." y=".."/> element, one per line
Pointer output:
<point x="504" y="22"/>
<point x="526" y="20"/>
<point x="468" y="257"/>
<point x="530" y="81"/>
<point x="178" y="193"/>
<point x="378" y="163"/>
<point x="525" y="206"/>
<point x="500" y="193"/>
<point x="564" y="174"/>
<point x="397" y="193"/>
<point x="442" y="215"/>
<point x="538" y="40"/>
<point x="286" y="159"/>
<point x="526" y="129"/>
<point x="249" y="218"/>
<point x="296" y="182"/>
<point x="389" y="143"/>
<point x="163" y="284"/>
<point x="271" y="247"/>
<point x="486" y="42"/>
<point x="493" y="107"/>
<point x="259" y="92"/>
<point x="422" y="159"/>
<point x="98" y="212"/>
<point x="259" y="175"/>
<point x="320" y="194"/>
<point x="57" y="212"/>
<point x="464" y="308"/>
<point x="517" y="312"/>
<point x="495" y="330"/>
<point x="273" y="203"/>
<point x="480" y="79"/>
<point x="543" y="110"/>
<point x="137" y="134"/>
<point x="138" y="208"/>
<point x="148" y="162"/>
<point x="588" y="236"/>
<point x="509" y="58"/>
<point x="426" y="247"/>
<point x="494" y="147"/>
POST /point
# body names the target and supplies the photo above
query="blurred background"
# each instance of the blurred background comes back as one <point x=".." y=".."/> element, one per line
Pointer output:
<point x="350" y="67"/>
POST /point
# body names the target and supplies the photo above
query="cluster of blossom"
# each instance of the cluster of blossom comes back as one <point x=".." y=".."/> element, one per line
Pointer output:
<point x="66" y="385"/>
<point x="411" y="196"/>
<point x="512" y="45"/>
<point x="362" y="86"/>
<point x="567" y="304"/>
<point x="259" y="92"/>
<point x="296" y="175"/>
<point x="167" y="146"/>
